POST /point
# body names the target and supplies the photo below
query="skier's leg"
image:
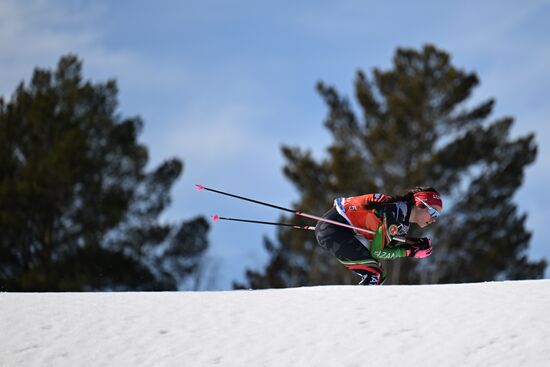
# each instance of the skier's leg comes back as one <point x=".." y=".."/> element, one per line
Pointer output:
<point x="343" y="243"/>
<point x="370" y="271"/>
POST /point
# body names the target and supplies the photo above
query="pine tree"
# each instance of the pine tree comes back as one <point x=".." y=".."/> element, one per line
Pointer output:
<point x="78" y="211"/>
<point x="417" y="128"/>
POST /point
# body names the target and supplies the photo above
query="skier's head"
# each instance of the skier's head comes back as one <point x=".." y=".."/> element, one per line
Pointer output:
<point x="427" y="206"/>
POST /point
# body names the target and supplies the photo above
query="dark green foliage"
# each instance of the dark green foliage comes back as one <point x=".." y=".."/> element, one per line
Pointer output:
<point x="78" y="211"/>
<point x="416" y="128"/>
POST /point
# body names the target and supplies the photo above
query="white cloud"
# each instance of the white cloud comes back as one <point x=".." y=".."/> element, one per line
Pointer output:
<point x="34" y="34"/>
<point x="220" y="134"/>
<point x="37" y="33"/>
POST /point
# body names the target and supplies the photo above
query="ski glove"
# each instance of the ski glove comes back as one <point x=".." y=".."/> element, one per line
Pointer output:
<point x="420" y="249"/>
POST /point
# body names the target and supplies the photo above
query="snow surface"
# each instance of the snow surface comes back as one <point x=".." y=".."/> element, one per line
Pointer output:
<point x="482" y="324"/>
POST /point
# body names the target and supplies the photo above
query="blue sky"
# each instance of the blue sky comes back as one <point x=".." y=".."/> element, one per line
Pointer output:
<point x="223" y="84"/>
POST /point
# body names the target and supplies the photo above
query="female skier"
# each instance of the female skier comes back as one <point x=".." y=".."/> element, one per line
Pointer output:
<point x="387" y="217"/>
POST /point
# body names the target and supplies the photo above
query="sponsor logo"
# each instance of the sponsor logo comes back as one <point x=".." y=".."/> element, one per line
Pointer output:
<point x="377" y="196"/>
<point x="385" y="255"/>
<point x="393" y="230"/>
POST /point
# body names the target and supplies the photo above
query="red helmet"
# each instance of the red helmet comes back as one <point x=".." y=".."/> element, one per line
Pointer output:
<point x="429" y="197"/>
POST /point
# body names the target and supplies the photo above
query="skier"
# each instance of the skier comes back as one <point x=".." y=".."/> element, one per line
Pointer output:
<point x="386" y="216"/>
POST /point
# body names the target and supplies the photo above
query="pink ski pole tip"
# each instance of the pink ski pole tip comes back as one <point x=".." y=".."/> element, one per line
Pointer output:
<point x="216" y="218"/>
<point x="200" y="187"/>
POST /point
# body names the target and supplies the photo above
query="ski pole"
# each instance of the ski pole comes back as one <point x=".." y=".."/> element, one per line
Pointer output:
<point x="217" y="217"/>
<point x="201" y="187"/>
<point x="296" y="212"/>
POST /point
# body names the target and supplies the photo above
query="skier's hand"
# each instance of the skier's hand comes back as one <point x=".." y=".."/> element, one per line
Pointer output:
<point x="420" y="249"/>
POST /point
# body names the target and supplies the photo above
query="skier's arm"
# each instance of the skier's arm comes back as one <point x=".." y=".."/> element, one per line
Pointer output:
<point x="379" y="251"/>
<point x="383" y="246"/>
<point x="419" y="249"/>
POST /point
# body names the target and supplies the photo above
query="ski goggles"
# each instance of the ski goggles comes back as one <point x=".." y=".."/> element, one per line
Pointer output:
<point x="433" y="213"/>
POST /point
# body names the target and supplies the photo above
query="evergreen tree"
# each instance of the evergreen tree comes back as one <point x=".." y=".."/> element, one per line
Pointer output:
<point x="78" y="211"/>
<point x="416" y="129"/>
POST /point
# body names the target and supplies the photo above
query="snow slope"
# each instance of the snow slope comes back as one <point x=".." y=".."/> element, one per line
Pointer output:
<point x="483" y="324"/>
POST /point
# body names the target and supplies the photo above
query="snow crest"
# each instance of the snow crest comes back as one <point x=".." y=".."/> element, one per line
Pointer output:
<point x="480" y="324"/>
